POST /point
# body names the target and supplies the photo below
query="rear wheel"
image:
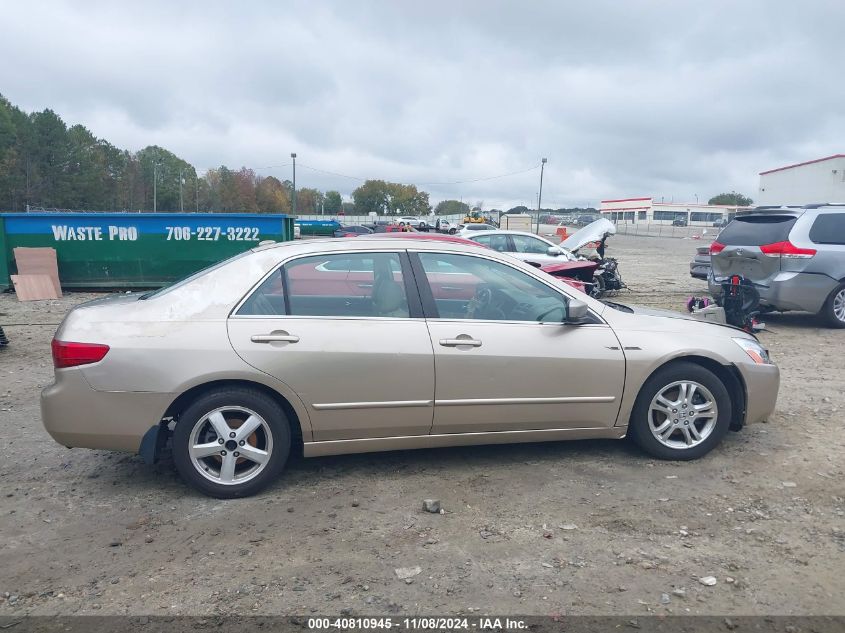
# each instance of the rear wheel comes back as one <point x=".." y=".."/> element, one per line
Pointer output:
<point x="833" y="310"/>
<point x="231" y="442"/>
<point x="682" y="412"/>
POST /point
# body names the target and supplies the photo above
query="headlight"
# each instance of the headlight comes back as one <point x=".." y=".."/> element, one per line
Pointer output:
<point x="755" y="351"/>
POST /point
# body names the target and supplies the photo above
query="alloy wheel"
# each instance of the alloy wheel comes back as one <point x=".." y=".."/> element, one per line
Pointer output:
<point x="839" y="305"/>
<point x="683" y="414"/>
<point x="230" y="445"/>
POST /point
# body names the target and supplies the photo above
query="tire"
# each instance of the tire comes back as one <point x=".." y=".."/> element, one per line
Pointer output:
<point x="598" y="289"/>
<point x="452" y="231"/>
<point x="236" y="406"/>
<point x="833" y="310"/>
<point x="680" y="443"/>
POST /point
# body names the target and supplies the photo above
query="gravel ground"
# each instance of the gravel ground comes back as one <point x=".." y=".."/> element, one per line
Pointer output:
<point x="591" y="527"/>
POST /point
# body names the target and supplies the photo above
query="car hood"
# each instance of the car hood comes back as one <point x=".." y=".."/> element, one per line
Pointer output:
<point x="593" y="232"/>
<point x="670" y="314"/>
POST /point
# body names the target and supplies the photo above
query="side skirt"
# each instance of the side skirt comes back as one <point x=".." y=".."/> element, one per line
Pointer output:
<point x="377" y="444"/>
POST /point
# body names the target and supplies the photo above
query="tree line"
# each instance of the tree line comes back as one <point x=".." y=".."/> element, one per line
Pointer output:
<point x="46" y="164"/>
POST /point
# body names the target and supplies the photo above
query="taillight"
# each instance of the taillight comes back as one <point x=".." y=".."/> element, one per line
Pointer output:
<point x="67" y="354"/>
<point x="787" y="249"/>
<point x="716" y="247"/>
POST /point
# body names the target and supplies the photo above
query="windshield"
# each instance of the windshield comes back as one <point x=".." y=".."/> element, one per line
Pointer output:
<point x="181" y="282"/>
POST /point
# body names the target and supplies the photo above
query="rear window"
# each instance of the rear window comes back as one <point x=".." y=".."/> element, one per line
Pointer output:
<point x="757" y="230"/>
<point x="829" y="228"/>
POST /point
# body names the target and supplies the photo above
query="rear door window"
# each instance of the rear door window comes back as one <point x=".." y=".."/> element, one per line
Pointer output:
<point x="757" y="230"/>
<point x="496" y="242"/>
<point x="829" y="228"/>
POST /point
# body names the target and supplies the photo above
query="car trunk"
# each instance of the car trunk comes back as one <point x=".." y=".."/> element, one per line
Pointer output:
<point x="748" y="247"/>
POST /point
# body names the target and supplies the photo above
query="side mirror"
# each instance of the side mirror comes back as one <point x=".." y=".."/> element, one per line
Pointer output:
<point x="577" y="313"/>
<point x="554" y="251"/>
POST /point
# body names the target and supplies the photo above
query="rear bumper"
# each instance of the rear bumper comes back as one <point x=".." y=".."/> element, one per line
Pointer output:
<point x="788" y="291"/>
<point x="76" y="415"/>
<point x="761" y="386"/>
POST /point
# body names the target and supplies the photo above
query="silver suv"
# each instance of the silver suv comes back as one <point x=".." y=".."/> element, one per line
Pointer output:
<point x="795" y="257"/>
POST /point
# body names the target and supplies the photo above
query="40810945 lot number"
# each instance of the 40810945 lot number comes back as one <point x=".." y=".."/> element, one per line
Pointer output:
<point x="375" y="623"/>
<point x="213" y="233"/>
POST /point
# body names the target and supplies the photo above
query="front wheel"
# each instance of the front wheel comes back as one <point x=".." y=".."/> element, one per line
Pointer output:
<point x="452" y="231"/>
<point x="833" y="310"/>
<point x="598" y="288"/>
<point x="231" y="442"/>
<point x="681" y="413"/>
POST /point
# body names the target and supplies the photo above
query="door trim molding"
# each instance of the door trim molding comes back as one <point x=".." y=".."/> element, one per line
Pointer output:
<point x="384" y="404"/>
<point x="376" y="444"/>
<point x="562" y="400"/>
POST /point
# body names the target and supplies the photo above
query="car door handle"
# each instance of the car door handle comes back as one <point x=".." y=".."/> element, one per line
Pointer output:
<point x="455" y="342"/>
<point x="451" y="287"/>
<point x="365" y="285"/>
<point x="274" y="338"/>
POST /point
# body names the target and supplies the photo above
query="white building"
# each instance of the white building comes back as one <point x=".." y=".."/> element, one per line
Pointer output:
<point x="646" y="210"/>
<point x="820" y="180"/>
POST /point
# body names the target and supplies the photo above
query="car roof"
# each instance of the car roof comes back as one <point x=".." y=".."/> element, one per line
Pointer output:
<point x="380" y="241"/>
<point x="507" y="232"/>
<point x="787" y="209"/>
<point x="433" y="237"/>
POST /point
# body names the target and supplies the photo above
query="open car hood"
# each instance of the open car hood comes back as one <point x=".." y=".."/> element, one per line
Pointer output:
<point x="593" y="232"/>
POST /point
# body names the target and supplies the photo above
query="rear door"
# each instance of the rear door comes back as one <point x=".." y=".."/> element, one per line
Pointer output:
<point x="345" y="332"/>
<point x="497" y="241"/>
<point x="740" y="248"/>
<point x="826" y="233"/>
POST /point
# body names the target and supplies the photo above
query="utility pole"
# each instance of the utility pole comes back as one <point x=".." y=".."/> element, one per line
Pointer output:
<point x="293" y="197"/>
<point x="540" y="195"/>
<point x="181" y="180"/>
<point x="197" y="183"/>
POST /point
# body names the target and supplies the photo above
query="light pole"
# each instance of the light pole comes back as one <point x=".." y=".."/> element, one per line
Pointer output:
<point x="293" y="197"/>
<point x="197" y="183"/>
<point x="181" y="180"/>
<point x="540" y="195"/>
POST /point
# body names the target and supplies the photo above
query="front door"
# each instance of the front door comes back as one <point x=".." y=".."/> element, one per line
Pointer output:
<point x="345" y="333"/>
<point x="504" y="361"/>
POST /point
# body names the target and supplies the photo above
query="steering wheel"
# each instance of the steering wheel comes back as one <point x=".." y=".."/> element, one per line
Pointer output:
<point x="480" y="301"/>
<point x="483" y="305"/>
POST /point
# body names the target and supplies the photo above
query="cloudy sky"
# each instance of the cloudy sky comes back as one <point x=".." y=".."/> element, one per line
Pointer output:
<point x="663" y="98"/>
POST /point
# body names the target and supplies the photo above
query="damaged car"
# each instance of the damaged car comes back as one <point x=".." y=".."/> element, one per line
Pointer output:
<point x="331" y="346"/>
<point x="790" y="258"/>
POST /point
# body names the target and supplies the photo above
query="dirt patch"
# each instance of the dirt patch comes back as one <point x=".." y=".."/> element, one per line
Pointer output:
<point x="575" y="528"/>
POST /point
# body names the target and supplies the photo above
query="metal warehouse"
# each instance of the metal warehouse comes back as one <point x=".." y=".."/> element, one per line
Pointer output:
<point x="819" y="180"/>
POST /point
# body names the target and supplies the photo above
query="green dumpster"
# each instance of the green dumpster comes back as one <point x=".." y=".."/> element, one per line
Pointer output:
<point x="134" y="250"/>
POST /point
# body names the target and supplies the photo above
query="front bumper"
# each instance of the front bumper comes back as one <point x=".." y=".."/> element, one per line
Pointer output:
<point x="787" y="290"/>
<point x="761" y="388"/>
<point x="699" y="270"/>
<point x="76" y="415"/>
